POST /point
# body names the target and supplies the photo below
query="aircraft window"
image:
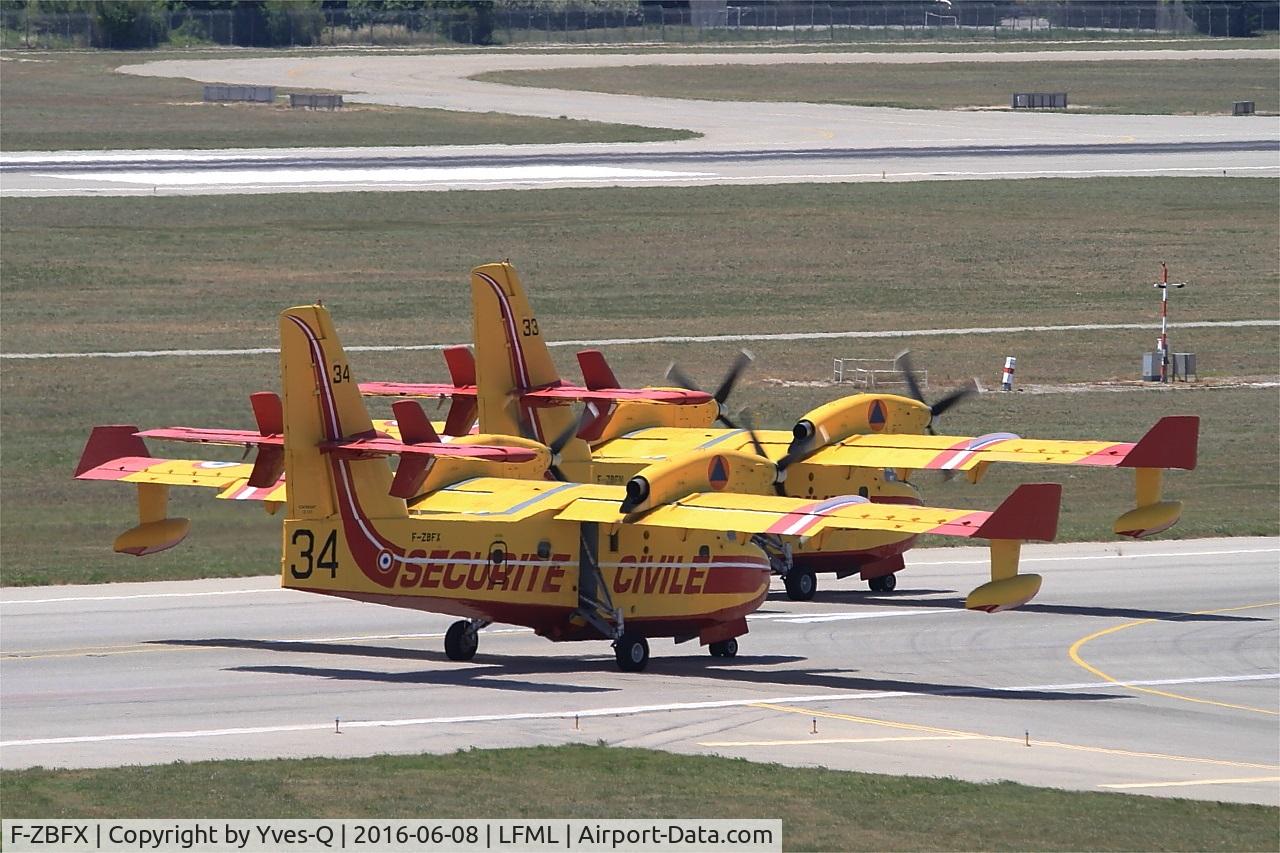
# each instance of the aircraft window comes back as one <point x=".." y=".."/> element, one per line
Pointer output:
<point x="613" y="541"/>
<point x="544" y="549"/>
<point x="862" y="491"/>
<point x="704" y="552"/>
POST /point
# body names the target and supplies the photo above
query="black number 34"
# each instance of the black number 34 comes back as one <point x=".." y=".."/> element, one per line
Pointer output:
<point x="305" y="541"/>
<point x="341" y="373"/>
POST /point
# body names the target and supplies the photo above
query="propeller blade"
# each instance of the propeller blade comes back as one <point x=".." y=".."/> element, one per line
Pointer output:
<point x="749" y="426"/>
<point x="951" y="399"/>
<point x="566" y="436"/>
<point x="903" y="362"/>
<point x="740" y="364"/>
<point x="678" y="376"/>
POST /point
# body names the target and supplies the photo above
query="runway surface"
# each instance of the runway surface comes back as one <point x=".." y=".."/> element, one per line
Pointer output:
<point x="740" y="143"/>
<point x="1144" y="667"/>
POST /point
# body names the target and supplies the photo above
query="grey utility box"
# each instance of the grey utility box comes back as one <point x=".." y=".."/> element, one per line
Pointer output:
<point x="1151" y="367"/>
<point x="1242" y="108"/>
<point x="1184" y="366"/>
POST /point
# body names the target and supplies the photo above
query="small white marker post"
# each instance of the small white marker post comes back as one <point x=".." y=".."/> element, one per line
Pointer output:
<point x="1164" y="284"/>
<point x="1006" y="381"/>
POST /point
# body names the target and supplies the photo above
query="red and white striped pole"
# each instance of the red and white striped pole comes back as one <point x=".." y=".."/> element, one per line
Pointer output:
<point x="1164" y="286"/>
<point x="1006" y="381"/>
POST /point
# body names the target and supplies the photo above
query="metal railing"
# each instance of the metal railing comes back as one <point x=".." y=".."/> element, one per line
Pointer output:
<point x="873" y="373"/>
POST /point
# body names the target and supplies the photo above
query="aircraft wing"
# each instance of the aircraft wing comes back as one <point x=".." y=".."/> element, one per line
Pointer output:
<point x="1171" y="443"/>
<point x="551" y="395"/>
<point x="489" y="499"/>
<point x="657" y="443"/>
<point x="416" y="389"/>
<point x="1030" y="513"/>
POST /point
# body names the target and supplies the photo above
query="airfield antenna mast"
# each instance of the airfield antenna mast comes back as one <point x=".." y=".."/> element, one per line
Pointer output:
<point x="1164" y="284"/>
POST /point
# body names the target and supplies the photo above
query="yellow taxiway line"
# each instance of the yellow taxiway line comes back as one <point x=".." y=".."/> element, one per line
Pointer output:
<point x="1074" y="653"/>
<point x="963" y="735"/>
<point x="1131" y="785"/>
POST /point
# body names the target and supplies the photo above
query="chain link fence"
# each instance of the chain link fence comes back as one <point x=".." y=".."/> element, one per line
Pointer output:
<point x="600" y="22"/>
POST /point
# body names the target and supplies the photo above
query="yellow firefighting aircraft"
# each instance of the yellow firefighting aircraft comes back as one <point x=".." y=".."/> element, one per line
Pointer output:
<point x="864" y="444"/>
<point x="674" y="554"/>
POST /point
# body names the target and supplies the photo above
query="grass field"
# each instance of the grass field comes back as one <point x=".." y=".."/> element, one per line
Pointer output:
<point x="1136" y="87"/>
<point x="72" y="101"/>
<point x="123" y="274"/>
<point x="820" y="809"/>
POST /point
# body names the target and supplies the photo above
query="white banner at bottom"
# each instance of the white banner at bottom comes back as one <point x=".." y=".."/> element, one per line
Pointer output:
<point x="389" y="836"/>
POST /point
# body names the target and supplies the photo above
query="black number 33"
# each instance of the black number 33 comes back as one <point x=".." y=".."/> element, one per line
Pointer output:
<point x="530" y="327"/>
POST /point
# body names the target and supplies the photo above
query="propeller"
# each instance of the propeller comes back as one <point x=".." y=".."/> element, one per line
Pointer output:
<point x="913" y="385"/>
<point x="740" y="363"/>
<point x="563" y="439"/>
<point x="749" y="425"/>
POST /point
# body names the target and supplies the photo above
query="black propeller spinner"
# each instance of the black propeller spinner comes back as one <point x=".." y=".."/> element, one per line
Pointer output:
<point x="679" y="377"/>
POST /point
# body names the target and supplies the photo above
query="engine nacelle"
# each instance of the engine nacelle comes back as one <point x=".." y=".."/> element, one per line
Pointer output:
<point x="703" y="471"/>
<point x="860" y="414"/>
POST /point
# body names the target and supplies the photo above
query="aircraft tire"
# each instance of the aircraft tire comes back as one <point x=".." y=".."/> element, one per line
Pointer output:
<point x="801" y="584"/>
<point x="888" y="583"/>
<point x="724" y="649"/>
<point x="460" y="642"/>
<point x="632" y="652"/>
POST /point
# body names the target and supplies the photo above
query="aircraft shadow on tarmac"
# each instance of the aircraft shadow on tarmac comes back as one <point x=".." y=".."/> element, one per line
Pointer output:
<point x="495" y="671"/>
<point x="901" y="598"/>
<point x="847" y="680"/>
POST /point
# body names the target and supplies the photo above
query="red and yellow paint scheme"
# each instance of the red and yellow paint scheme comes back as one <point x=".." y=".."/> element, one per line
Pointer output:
<point x="677" y="553"/>
<point x="864" y="444"/>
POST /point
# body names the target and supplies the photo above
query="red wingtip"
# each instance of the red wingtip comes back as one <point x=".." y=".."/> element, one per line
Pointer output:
<point x="268" y="412"/>
<point x="415" y="426"/>
<point x="1171" y="443"/>
<point x="1031" y="512"/>
<point x="110" y="442"/>
<point x="462" y="365"/>
<point x="596" y="372"/>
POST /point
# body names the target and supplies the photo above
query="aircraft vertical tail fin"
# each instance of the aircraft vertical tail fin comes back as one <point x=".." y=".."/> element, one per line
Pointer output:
<point x="511" y="358"/>
<point x="322" y="404"/>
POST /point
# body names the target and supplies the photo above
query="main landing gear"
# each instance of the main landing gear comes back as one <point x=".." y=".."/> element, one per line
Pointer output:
<point x="724" y="649"/>
<point x="884" y="583"/>
<point x="463" y="638"/>
<point x="801" y="583"/>
<point x="632" y="652"/>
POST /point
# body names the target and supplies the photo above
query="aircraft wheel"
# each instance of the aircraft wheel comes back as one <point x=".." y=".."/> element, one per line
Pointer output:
<point x="460" y="642"/>
<point x="888" y="583"/>
<point x="724" y="649"/>
<point x="801" y="584"/>
<point x="632" y="652"/>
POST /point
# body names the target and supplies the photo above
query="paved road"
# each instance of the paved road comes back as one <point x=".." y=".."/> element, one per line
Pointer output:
<point x="741" y="143"/>
<point x="901" y="683"/>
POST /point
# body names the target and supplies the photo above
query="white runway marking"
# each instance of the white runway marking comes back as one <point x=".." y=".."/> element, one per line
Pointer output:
<point x="251" y="178"/>
<point x="675" y="339"/>
<point x="607" y="712"/>
<point x="1105" y="557"/>
<point x="1133" y="785"/>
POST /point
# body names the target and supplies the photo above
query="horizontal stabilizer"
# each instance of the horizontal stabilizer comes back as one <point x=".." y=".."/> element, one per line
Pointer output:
<point x="201" y="435"/>
<point x="377" y="446"/>
<point x="1171" y="443"/>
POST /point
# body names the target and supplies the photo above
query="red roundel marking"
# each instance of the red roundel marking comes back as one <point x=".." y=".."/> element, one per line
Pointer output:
<point x="718" y="473"/>
<point x="876" y="416"/>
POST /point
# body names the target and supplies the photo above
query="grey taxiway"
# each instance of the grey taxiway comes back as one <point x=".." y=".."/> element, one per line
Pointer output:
<point x="739" y="143"/>
<point x="1144" y="667"/>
